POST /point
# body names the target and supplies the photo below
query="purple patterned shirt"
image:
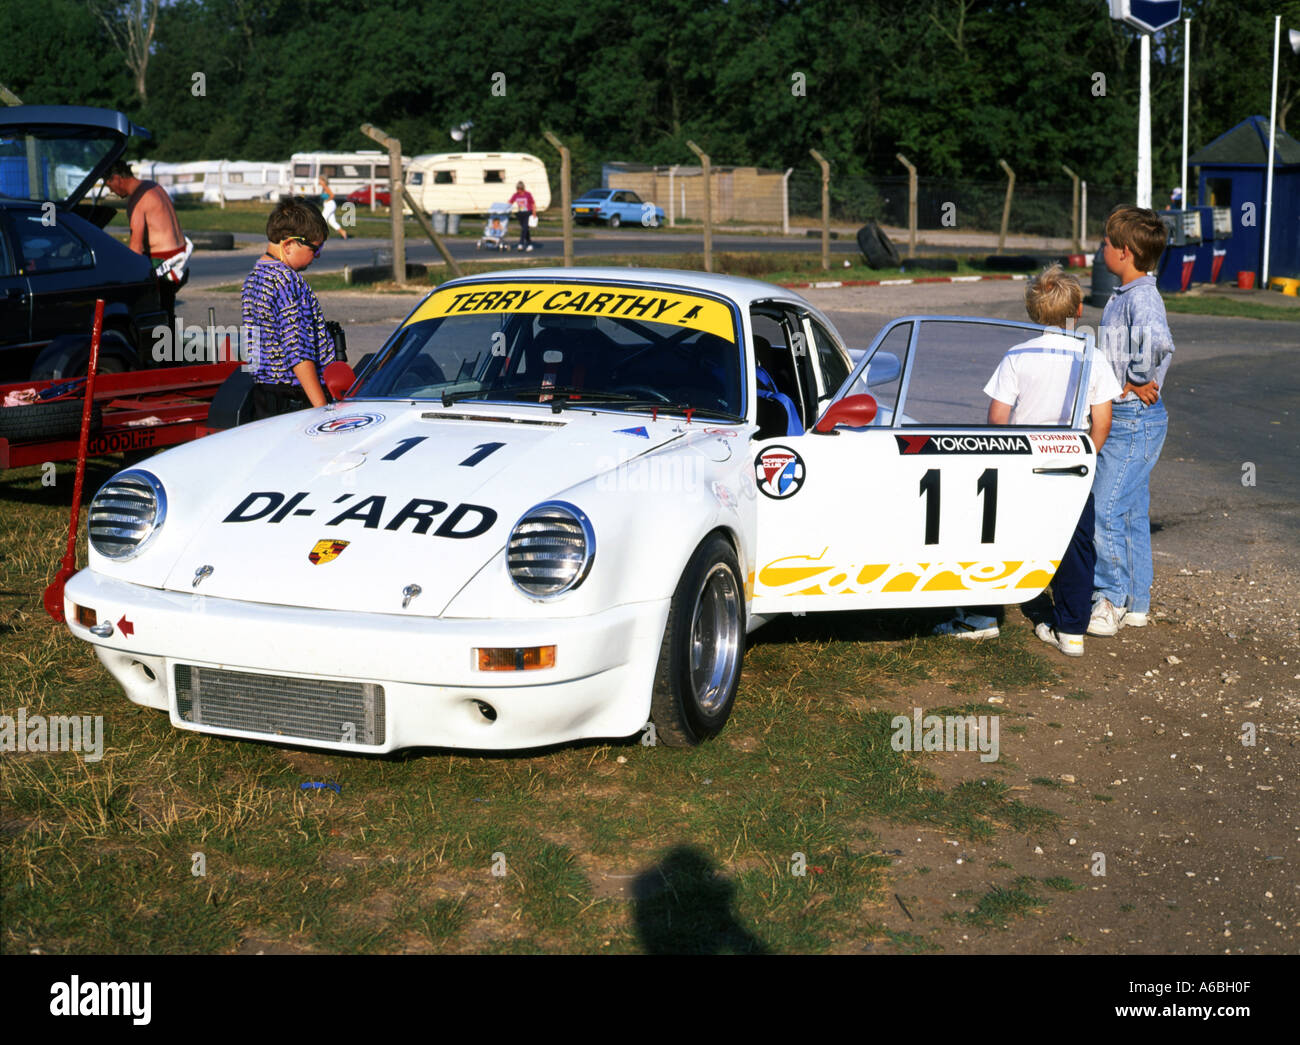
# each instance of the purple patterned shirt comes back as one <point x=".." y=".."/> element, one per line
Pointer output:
<point x="279" y="304"/>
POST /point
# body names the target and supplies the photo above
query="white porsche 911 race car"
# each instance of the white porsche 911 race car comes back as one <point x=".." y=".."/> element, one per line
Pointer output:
<point x="553" y="505"/>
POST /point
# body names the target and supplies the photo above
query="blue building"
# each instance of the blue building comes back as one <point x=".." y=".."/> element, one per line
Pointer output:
<point x="1233" y="174"/>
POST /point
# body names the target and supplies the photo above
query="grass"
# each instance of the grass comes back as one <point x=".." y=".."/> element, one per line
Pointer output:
<point x="772" y="266"/>
<point x="668" y="851"/>
<point x="1228" y="306"/>
<point x="997" y="908"/>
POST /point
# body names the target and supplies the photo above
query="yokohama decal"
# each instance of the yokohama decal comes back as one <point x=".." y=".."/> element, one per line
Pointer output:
<point x="963" y="444"/>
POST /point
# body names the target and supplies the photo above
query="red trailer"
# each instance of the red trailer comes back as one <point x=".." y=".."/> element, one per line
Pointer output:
<point x="138" y="410"/>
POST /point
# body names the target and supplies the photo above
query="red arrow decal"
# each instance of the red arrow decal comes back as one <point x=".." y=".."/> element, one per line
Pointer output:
<point x="914" y="443"/>
<point x="125" y="626"/>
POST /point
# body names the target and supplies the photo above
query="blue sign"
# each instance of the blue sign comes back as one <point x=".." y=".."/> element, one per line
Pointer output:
<point x="1147" y="16"/>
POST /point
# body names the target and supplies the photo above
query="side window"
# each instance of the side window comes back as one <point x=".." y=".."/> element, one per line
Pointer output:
<point x="444" y="177"/>
<point x="494" y="177"/>
<point x="832" y="366"/>
<point x="882" y="379"/>
<point x="50" y="248"/>
<point x="955" y="360"/>
<point x="416" y="177"/>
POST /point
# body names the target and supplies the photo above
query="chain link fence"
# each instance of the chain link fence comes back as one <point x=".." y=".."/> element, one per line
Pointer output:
<point x="1037" y="209"/>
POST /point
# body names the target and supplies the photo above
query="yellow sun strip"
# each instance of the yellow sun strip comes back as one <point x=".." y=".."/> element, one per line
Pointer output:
<point x="648" y="304"/>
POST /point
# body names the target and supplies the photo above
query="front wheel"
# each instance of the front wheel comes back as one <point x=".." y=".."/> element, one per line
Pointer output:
<point x="703" y="648"/>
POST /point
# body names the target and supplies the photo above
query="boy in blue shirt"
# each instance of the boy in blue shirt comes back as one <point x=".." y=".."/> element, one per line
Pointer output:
<point x="1135" y="339"/>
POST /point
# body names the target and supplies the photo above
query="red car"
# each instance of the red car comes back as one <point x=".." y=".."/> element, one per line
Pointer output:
<point x="362" y="195"/>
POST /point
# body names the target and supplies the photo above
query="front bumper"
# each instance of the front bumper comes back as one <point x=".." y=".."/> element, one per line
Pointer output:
<point x="432" y="695"/>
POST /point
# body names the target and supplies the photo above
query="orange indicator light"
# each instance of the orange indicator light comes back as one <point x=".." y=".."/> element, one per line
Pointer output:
<point x="514" y="658"/>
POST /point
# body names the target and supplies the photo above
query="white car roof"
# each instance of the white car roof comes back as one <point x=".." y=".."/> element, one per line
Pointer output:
<point x="738" y="289"/>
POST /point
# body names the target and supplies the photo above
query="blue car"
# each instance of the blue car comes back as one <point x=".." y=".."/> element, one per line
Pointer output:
<point x="617" y="207"/>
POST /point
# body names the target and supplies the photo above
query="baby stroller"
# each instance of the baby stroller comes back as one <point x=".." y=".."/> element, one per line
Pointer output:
<point x="496" y="228"/>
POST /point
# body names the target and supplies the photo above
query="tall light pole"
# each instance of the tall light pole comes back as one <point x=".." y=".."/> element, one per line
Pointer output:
<point x="1147" y="17"/>
<point x="1187" y="74"/>
<point x="1293" y="37"/>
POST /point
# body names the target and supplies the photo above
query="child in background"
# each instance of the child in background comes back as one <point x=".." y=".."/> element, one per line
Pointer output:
<point x="1136" y="340"/>
<point x="1034" y="385"/>
<point x="293" y="346"/>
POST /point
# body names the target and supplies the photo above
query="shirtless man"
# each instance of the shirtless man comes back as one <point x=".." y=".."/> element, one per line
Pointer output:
<point x="155" y="232"/>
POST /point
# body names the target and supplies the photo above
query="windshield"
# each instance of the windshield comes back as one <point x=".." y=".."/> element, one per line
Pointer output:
<point x="49" y="163"/>
<point x="615" y="346"/>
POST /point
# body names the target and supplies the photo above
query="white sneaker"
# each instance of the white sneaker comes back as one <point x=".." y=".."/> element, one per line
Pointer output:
<point x="528" y="248"/>
<point x="1070" y="645"/>
<point x="968" y="626"/>
<point x="1133" y="619"/>
<point x="1106" y="619"/>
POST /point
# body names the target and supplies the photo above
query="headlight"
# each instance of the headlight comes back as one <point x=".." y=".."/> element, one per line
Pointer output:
<point x="126" y="513"/>
<point x="550" y="549"/>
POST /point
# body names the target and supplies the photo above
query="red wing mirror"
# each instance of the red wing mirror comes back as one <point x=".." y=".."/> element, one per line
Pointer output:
<point x="339" y="378"/>
<point x="852" y="411"/>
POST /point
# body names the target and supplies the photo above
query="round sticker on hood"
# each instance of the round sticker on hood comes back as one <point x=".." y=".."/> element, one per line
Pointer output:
<point x="779" y="471"/>
<point x="345" y="423"/>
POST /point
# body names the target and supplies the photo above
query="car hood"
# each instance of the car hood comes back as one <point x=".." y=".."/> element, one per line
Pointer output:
<point x="57" y="152"/>
<point x="346" y="507"/>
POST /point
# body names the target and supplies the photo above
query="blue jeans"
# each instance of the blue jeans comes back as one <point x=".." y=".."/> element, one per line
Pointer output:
<point x="1123" y="499"/>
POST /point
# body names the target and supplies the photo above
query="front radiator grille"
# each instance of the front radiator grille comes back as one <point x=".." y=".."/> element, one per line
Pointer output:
<point x="275" y="705"/>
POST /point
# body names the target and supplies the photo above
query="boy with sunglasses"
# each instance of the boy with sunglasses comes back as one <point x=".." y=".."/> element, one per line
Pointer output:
<point x="293" y="346"/>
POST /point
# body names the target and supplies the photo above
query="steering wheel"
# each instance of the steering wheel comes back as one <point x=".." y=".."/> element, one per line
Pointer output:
<point x="421" y="373"/>
<point x="643" y="390"/>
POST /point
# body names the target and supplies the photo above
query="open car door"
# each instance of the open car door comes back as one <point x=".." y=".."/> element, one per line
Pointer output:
<point x="925" y="503"/>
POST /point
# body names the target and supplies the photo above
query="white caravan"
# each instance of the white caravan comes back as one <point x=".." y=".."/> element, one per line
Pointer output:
<point x="346" y="171"/>
<point x="215" y="180"/>
<point x="470" y="182"/>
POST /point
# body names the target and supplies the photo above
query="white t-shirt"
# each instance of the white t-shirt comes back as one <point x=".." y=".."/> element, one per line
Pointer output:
<point x="1039" y="377"/>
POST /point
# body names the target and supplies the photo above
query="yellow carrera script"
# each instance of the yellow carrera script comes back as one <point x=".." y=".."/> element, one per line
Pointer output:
<point x="583" y="299"/>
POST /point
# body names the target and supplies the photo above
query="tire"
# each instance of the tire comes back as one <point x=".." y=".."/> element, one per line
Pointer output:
<point x="926" y="263"/>
<point x="615" y="221"/>
<point x="58" y="420"/>
<point x="1014" y="262"/>
<point x="69" y="354"/>
<point x="877" y="248"/>
<point x="213" y="240"/>
<point x="703" y="648"/>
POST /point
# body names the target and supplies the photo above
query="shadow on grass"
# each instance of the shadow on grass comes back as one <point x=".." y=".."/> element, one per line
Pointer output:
<point x="683" y="905"/>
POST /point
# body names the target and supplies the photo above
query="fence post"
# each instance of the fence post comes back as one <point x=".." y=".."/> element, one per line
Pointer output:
<point x="1074" y="210"/>
<point x="425" y="224"/>
<point x="1006" y="207"/>
<point x="1083" y="211"/>
<point x="785" y="201"/>
<point x="396" y="186"/>
<point x="566" y="219"/>
<point x="911" y="203"/>
<point x="708" y="205"/>
<point x="826" y="208"/>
